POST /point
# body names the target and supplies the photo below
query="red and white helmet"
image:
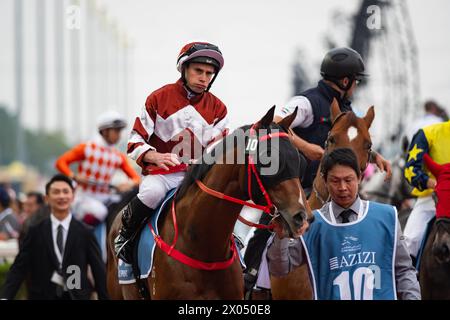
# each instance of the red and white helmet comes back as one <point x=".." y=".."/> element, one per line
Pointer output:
<point x="201" y="52"/>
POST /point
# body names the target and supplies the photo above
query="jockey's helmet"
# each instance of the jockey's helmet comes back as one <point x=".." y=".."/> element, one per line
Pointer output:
<point x="201" y="52"/>
<point x="111" y="120"/>
<point x="342" y="62"/>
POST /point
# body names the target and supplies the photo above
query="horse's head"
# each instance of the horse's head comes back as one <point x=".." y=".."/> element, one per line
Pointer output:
<point x="348" y="130"/>
<point x="278" y="163"/>
<point x="441" y="243"/>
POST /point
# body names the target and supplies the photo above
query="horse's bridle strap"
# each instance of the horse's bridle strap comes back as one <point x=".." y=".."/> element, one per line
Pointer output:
<point x="177" y="255"/>
<point x="252" y="224"/>
<point x="223" y="196"/>
<point x="194" y="263"/>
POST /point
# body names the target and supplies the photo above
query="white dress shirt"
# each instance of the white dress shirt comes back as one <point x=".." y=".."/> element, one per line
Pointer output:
<point x="55" y="224"/>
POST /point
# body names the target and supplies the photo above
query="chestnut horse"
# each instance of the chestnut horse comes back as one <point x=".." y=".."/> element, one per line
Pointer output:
<point x="207" y="206"/>
<point x="434" y="273"/>
<point x="347" y="130"/>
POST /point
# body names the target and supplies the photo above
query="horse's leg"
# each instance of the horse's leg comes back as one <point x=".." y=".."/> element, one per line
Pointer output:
<point x="130" y="292"/>
<point x="112" y="279"/>
<point x="294" y="286"/>
<point x="428" y="269"/>
<point x="117" y="291"/>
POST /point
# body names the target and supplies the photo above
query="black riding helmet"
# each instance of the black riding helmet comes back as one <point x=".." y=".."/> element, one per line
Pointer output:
<point x="343" y="62"/>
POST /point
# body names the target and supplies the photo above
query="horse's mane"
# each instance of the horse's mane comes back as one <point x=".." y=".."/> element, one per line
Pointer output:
<point x="199" y="170"/>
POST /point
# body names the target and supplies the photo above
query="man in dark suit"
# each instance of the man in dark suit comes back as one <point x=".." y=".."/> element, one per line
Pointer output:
<point x="56" y="253"/>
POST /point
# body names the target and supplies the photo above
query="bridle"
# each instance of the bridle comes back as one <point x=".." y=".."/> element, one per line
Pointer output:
<point x="269" y="208"/>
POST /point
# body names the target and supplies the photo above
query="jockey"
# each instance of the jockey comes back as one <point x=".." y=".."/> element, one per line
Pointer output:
<point x="433" y="114"/>
<point x="341" y="69"/>
<point x="354" y="249"/>
<point x="434" y="140"/>
<point x="98" y="161"/>
<point x="182" y="113"/>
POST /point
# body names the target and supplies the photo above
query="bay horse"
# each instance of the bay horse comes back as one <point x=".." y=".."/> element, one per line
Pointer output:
<point x="434" y="271"/>
<point x="347" y="130"/>
<point x="207" y="207"/>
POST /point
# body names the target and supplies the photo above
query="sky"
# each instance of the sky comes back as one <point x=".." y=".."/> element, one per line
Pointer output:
<point x="258" y="39"/>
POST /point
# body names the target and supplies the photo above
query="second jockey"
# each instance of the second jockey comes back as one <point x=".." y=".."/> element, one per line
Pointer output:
<point x="183" y="112"/>
<point x="98" y="160"/>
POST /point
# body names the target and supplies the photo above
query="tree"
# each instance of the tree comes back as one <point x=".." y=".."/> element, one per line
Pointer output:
<point x="42" y="147"/>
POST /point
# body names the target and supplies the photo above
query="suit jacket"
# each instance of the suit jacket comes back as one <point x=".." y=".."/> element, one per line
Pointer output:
<point x="37" y="258"/>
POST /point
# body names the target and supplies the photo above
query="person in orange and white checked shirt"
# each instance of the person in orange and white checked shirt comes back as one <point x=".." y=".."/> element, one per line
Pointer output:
<point x="98" y="160"/>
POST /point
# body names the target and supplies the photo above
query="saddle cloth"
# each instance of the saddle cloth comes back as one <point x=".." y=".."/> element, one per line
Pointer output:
<point x="146" y="248"/>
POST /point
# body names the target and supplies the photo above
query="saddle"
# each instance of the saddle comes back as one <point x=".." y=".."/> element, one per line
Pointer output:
<point x="424" y="242"/>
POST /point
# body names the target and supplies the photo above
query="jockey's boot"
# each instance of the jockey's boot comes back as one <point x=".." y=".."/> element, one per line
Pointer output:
<point x="253" y="255"/>
<point x="132" y="217"/>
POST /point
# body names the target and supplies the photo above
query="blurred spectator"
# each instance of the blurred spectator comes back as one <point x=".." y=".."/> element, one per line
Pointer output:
<point x="433" y="114"/>
<point x="51" y="250"/>
<point x="9" y="226"/>
<point x="35" y="210"/>
<point x="33" y="202"/>
<point x="443" y="114"/>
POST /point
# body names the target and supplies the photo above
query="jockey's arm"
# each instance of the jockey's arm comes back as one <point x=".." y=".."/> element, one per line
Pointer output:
<point x="139" y="148"/>
<point x="284" y="255"/>
<point x="414" y="172"/>
<point x="310" y="150"/>
<point x="382" y="164"/>
<point x="75" y="154"/>
<point x="304" y="119"/>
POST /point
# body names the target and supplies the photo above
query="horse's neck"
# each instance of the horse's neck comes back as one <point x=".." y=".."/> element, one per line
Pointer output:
<point x="208" y="222"/>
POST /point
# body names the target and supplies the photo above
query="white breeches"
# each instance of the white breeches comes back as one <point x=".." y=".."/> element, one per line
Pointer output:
<point x="424" y="210"/>
<point x="88" y="203"/>
<point x="154" y="188"/>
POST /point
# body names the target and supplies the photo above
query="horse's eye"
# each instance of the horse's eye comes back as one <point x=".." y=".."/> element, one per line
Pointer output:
<point x="368" y="145"/>
<point x="331" y="139"/>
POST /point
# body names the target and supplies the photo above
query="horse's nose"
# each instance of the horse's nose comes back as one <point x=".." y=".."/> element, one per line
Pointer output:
<point x="442" y="253"/>
<point x="302" y="216"/>
<point x="298" y="219"/>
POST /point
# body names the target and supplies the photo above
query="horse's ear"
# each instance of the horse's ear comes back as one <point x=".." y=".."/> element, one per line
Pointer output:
<point x="370" y="115"/>
<point x="434" y="167"/>
<point x="287" y="121"/>
<point x="335" y="110"/>
<point x="267" y="119"/>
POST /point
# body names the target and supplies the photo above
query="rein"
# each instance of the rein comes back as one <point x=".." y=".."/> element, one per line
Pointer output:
<point x="269" y="208"/>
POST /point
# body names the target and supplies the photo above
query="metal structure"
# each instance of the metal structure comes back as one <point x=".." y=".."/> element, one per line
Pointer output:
<point x="391" y="58"/>
<point x="18" y="70"/>
<point x="90" y="54"/>
<point x="391" y="55"/>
